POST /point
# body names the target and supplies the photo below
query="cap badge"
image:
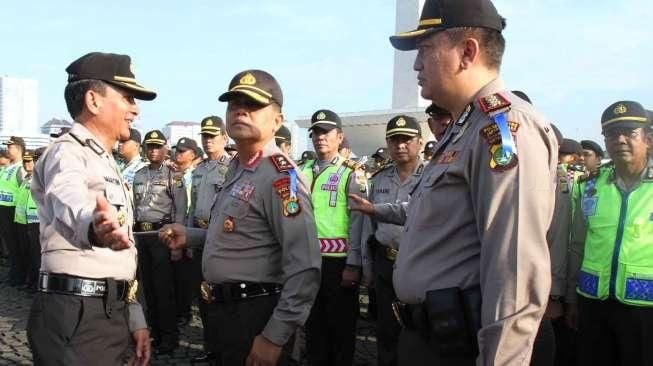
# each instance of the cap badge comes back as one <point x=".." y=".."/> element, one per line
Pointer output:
<point x="321" y="116"/>
<point x="401" y="122"/>
<point x="154" y="135"/>
<point x="620" y="109"/>
<point x="248" y="79"/>
<point x="209" y="122"/>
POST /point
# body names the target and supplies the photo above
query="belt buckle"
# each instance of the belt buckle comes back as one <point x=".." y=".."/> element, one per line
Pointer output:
<point x="146" y="226"/>
<point x="206" y="289"/>
<point x="132" y="288"/>
<point x="391" y="254"/>
<point x="203" y="224"/>
<point x="397" y="310"/>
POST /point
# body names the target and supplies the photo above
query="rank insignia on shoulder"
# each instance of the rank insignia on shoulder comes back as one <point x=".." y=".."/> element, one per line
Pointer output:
<point x="281" y="163"/>
<point x="494" y="104"/>
<point x="352" y="164"/>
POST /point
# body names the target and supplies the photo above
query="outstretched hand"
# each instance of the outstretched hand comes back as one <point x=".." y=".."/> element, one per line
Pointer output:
<point x="358" y="203"/>
<point x="107" y="226"/>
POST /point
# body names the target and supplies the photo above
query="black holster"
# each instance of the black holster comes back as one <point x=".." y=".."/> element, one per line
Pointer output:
<point x="373" y="245"/>
<point x="454" y="318"/>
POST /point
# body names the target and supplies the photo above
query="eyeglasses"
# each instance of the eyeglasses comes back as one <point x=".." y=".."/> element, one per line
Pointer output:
<point x="629" y="133"/>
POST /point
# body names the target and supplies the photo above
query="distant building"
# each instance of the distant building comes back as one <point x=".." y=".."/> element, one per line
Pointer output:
<point x="54" y="126"/>
<point x="31" y="142"/>
<point x="178" y="129"/>
<point x="19" y="106"/>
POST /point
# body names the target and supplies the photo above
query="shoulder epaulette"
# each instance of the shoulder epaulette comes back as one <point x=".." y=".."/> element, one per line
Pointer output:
<point x="281" y="162"/>
<point x="90" y="143"/>
<point x="494" y="104"/>
<point x="353" y="165"/>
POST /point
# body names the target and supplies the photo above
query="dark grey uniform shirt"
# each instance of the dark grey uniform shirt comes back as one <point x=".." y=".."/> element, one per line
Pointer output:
<point x="158" y="197"/>
<point x="208" y="177"/>
<point x="475" y="219"/>
<point x="69" y="176"/>
<point x="251" y="239"/>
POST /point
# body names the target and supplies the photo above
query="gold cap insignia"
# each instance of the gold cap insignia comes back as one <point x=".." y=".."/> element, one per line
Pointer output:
<point x="620" y="109"/>
<point x="248" y="79"/>
<point x="321" y="115"/>
<point x="401" y="122"/>
<point x="154" y="135"/>
<point x="209" y="122"/>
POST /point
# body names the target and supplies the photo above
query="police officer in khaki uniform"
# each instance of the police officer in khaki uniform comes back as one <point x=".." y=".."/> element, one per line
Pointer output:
<point x="85" y="308"/>
<point x="469" y="273"/>
<point x="159" y="199"/>
<point x="261" y="255"/>
<point x="391" y="185"/>
<point x="208" y="178"/>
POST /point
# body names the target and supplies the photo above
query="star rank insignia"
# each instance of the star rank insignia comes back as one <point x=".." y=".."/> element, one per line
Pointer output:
<point x="494" y="104"/>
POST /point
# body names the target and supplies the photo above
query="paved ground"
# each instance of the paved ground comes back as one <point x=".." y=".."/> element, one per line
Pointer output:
<point x="14" y="349"/>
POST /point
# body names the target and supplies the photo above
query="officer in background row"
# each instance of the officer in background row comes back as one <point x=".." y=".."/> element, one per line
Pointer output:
<point x="429" y="150"/>
<point x="261" y="258"/>
<point x="10" y="179"/>
<point x="331" y="328"/>
<point x="159" y="199"/>
<point x="130" y="153"/>
<point x="469" y="270"/>
<point x="438" y="121"/>
<point x="392" y="184"/>
<point x="283" y="138"/>
<point x="610" y="290"/>
<point x="592" y="156"/>
<point x="26" y="221"/>
<point x="86" y="309"/>
<point x="208" y="178"/>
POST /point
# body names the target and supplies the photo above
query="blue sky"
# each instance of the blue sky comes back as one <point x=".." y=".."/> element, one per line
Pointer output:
<point x="573" y="58"/>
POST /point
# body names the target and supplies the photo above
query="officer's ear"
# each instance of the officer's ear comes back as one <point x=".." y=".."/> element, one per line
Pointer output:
<point x="470" y="52"/>
<point x="93" y="102"/>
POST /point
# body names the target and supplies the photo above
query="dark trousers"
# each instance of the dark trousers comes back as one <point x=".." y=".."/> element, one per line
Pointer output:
<point x="566" y="343"/>
<point x="232" y="327"/>
<point x="8" y="232"/>
<point x="33" y="254"/>
<point x="611" y="333"/>
<point x="544" y="348"/>
<point x="155" y="269"/>
<point x="331" y="326"/>
<point x="414" y="349"/>
<point x="196" y="281"/>
<point x="183" y="276"/>
<point x="75" y="330"/>
<point x="22" y="254"/>
<point x="387" y="327"/>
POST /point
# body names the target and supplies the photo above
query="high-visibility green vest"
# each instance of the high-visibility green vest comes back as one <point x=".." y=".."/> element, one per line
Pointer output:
<point x="20" y="199"/>
<point x="9" y="184"/>
<point x="618" y="256"/>
<point x="329" y="198"/>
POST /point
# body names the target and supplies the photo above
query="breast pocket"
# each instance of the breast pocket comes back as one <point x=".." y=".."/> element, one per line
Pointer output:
<point x="115" y="195"/>
<point x="237" y="209"/>
<point x="431" y="201"/>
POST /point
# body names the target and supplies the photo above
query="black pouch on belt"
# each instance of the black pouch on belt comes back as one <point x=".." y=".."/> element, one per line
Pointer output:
<point x="448" y="321"/>
<point x="373" y="244"/>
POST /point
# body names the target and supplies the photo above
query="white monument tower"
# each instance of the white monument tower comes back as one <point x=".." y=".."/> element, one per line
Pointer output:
<point x="366" y="130"/>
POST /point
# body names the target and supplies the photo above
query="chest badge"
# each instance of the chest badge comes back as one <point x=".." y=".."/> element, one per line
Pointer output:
<point x="121" y="218"/>
<point x="228" y="226"/>
<point x="291" y="206"/>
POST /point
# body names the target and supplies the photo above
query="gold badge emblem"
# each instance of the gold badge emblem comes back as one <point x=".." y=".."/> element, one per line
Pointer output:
<point x="146" y="226"/>
<point x="121" y="218"/>
<point x="154" y="135"/>
<point x="620" y="109"/>
<point x="132" y="288"/>
<point x="228" y="226"/>
<point x="209" y="122"/>
<point x="207" y="292"/>
<point x="248" y="79"/>
<point x="401" y="122"/>
<point x="321" y="116"/>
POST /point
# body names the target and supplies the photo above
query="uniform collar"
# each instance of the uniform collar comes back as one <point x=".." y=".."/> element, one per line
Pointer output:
<point x="268" y="150"/>
<point x="87" y="138"/>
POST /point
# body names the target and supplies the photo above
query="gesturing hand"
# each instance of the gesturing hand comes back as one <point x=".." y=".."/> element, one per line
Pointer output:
<point x="107" y="227"/>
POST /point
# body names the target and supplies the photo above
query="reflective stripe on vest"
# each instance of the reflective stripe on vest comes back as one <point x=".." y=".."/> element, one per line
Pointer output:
<point x="618" y="255"/>
<point x="329" y="198"/>
<point x="8" y="185"/>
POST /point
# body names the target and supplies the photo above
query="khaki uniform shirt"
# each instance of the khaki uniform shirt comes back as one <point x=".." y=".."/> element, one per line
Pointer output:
<point x="69" y="176"/>
<point x="476" y="220"/>
<point x="207" y="179"/>
<point x="250" y="238"/>
<point x="159" y="196"/>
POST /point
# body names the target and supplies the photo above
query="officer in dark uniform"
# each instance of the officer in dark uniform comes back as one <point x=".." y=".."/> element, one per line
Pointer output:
<point x="392" y="184"/>
<point x="592" y="155"/>
<point x="261" y="258"/>
<point x="207" y="180"/>
<point x="159" y="199"/>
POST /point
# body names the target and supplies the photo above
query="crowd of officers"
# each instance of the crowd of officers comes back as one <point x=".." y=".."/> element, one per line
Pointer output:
<point x="499" y="243"/>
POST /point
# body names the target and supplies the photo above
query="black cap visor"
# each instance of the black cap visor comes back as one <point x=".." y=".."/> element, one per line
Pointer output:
<point x="133" y="88"/>
<point x="259" y="96"/>
<point x="407" y="41"/>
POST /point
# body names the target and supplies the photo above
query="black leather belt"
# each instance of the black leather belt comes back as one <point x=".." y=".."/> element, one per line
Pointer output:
<point x="80" y="286"/>
<point x="148" y="226"/>
<point x="201" y="223"/>
<point x="237" y="291"/>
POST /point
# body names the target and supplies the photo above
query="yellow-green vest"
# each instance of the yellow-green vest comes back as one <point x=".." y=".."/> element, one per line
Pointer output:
<point x="329" y="198"/>
<point x="9" y="184"/>
<point x="618" y="255"/>
<point x="20" y="199"/>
